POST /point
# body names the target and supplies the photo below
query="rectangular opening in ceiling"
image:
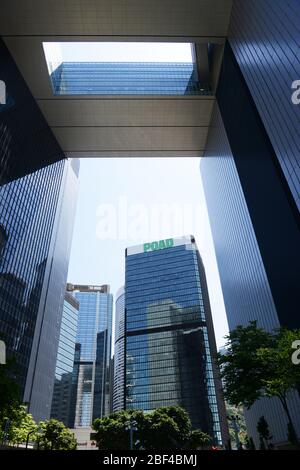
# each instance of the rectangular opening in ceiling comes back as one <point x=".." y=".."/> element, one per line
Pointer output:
<point x="123" y="68"/>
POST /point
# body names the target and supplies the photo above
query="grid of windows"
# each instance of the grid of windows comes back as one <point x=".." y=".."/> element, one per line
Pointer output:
<point x="168" y="350"/>
<point x="61" y="399"/>
<point x="118" y="387"/>
<point x="127" y="78"/>
<point x="94" y="336"/>
<point x="27" y="213"/>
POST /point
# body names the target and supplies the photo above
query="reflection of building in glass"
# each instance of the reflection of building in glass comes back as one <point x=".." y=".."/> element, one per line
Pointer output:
<point x="36" y="220"/>
<point x="169" y="335"/>
<point x="118" y="383"/>
<point x="62" y="392"/>
<point x="127" y="78"/>
<point x="91" y="374"/>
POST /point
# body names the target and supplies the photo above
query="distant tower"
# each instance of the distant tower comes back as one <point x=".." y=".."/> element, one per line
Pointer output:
<point x="62" y="392"/>
<point x="93" y="358"/>
<point x="118" y="387"/>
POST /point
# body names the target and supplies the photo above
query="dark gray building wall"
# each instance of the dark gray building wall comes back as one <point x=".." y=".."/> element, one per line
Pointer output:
<point x="251" y="177"/>
<point x="246" y="290"/>
<point x="265" y="38"/>
<point x="272" y="209"/>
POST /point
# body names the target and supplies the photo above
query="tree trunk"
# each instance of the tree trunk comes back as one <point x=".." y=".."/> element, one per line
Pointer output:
<point x="288" y="414"/>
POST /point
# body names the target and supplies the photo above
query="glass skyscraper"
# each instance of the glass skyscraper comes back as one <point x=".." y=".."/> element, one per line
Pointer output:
<point x="92" y="360"/>
<point x="169" y="334"/>
<point x="127" y="78"/>
<point x="119" y="371"/>
<point x="36" y="220"/>
<point x="62" y="392"/>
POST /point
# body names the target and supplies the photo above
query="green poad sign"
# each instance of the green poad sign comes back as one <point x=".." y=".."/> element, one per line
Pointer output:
<point x="159" y="245"/>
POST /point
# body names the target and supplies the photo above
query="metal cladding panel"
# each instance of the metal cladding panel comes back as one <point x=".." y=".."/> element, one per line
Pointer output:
<point x="265" y="38"/>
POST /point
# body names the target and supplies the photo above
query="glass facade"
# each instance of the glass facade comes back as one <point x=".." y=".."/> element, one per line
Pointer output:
<point x="61" y="400"/>
<point x="169" y="337"/>
<point x="27" y="143"/>
<point x="92" y="368"/>
<point x="127" y="78"/>
<point x="118" y="384"/>
<point x="27" y="214"/>
<point x="34" y="259"/>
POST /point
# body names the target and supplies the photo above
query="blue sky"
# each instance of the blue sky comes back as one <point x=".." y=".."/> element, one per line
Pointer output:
<point x="119" y="200"/>
<point x="58" y="52"/>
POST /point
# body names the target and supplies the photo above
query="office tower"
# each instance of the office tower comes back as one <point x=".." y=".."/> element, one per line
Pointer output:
<point x="62" y="392"/>
<point x="169" y="336"/>
<point x="93" y="353"/>
<point x="36" y="219"/>
<point x="119" y="371"/>
<point x="250" y="174"/>
<point x="128" y="78"/>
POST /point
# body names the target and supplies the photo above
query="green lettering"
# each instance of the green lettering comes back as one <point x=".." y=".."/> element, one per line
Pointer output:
<point x="154" y="246"/>
<point x="161" y="244"/>
<point x="147" y="246"/>
<point x="169" y="242"/>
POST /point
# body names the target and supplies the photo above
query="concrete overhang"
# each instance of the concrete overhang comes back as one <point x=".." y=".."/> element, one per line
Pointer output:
<point x="98" y="125"/>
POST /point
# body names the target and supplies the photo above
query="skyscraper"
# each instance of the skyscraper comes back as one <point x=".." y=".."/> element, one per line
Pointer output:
<point x="92" y="361"/>
<point x="119" y="371"/>
<point x="62" y="392"/>
<point x="169" y="336"/>
<point x="127" y="78"/>
<point x="250" y="174"/>
<point x="36" y="219"/>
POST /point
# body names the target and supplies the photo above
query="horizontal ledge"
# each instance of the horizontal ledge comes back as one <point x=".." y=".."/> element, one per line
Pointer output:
<point x="133" y="154"/>
<point x="155" y="38"/>
<point x="128" y="151"/>
<point x="128" y="97"/>
<point x="162" y="126"/>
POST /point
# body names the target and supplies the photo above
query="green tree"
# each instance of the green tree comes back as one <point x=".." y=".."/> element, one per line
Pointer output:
<point x="111" y="430"/>
<point x="9" y="390"/>
<point x="264" y="432"/>
<point x="170" y="428"/>
<point x="55" y="436"/>
<point x="258" y="364"/>
<point x="198" y="440"/>
<point x="21" y="423"/>
<point x="164" y="428"/>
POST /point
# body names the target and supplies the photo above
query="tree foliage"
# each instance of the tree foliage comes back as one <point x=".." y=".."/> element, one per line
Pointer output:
<point x="198" y="440"/>
<point x="21" y="424"/>
<point x="9" y="390"/>
<point x="164" y="428"/>
<point x="54" y="435"/>
<point x="258" y="364"/>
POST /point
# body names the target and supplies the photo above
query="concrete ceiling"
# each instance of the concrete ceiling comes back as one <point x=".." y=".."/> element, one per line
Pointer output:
<point x="115" y="126"/>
